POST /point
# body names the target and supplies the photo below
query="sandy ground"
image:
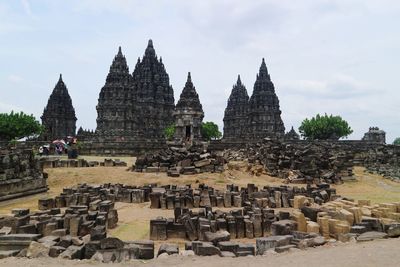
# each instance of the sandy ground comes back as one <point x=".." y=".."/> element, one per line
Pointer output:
<point x="376" y="253"/>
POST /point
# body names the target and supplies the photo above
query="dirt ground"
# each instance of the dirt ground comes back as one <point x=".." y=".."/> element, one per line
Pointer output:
<point x="376" y="253"/>
<point x="134" y="218"/>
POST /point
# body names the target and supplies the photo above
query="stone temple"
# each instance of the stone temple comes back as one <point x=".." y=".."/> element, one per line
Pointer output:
<point x="257" y="117"/>
<point x="236" y="112"/>
<point x="138" y="105"/>
<point x="375" y="135"/>
<point x="188" y="115"/>
<point x="264" y="115"/>
<point x="58" y="116"/>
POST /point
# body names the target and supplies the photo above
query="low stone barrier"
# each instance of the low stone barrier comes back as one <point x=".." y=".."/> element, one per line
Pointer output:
<point x="20" y="174"/>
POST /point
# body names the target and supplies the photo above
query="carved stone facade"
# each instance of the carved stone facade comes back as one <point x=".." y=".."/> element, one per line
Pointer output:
<point x="135" y="106"/>
<point x="375" y="135"/>
<point x="115" y="100"/>
<point x="58" y="116"/>
<point x="235" y="117"/>
<point x="154" y="95"/>
<point x="264" y="113"/>
<point x="257" y="117"/>
<point x="188" y="114"/>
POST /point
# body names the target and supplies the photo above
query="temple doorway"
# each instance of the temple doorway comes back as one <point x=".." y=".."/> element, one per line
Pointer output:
<point x="188" y="132"/>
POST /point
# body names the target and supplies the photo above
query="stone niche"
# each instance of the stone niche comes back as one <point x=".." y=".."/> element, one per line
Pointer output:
<point x="20" y="174"/>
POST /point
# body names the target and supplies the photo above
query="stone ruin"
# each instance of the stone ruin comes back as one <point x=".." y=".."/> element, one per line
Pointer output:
<point x="257" y="117"/>
<point x="72" y="225"/>
<point x="188" y="115"/>
<point x="318" y="215"/>
<point x="20" y="174"/>
<point x="179" y="160"/>
<point x="384" y="160"/>
<point x="79" y="163"/>
<point x="299" y="162"/>
<point x="375" y="135"/>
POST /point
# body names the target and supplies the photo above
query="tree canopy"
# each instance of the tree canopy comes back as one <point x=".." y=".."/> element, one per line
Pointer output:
<point x="18" y="125"/>
<point x="209" y="130"/>
<point x="396" y="141"/>
<point x="169" y="131"/>
<point x="324" y="127"/>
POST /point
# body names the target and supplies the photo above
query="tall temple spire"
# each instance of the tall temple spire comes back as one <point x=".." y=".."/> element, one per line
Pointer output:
<point x="263" y="69"/>
<point x="150" y="49"/>
<point x="235" y="116"/>
<point x="189" y="78"/>
<point x="264" y="111"/>
<point x="238" y="82"/>
<point x="189" y="97"/>
<point x="59" y="115"/>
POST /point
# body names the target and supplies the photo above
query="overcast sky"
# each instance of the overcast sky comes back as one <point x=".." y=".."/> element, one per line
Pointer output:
<point x="339" y="57"/>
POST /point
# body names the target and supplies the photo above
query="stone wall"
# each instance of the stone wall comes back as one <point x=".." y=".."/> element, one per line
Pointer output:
<point x="20" y="174"/>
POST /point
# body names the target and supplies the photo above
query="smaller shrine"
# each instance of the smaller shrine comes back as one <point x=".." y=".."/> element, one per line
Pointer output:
<point x="188" y="115"/>
<point x="375" y="135"/>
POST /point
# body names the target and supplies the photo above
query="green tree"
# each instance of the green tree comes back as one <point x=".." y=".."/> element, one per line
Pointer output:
<point x="209" y="130"/>
<point x="18" y="125"/>
<point x="396" y="141"/>
<point x="169" y="131"/>
<point x="324" y="127"/>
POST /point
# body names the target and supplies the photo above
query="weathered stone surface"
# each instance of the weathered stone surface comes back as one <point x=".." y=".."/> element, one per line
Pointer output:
<point x="55" y="251"/>
<point x="168" y="248"/>
<point x="217" y="236"/>
<point x="393" y="230"/>
<point x="369" y="236"/>
<point x="73" y="252"/>
<point x="37" y="250"/>
<point x="111" y="243"/>
<point x="265" y="243"/>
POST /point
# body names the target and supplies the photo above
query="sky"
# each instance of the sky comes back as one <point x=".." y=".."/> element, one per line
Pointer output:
<point x="338" y="57"/>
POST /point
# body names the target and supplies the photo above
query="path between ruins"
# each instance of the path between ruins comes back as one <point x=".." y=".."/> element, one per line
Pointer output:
<point x="376" y="253"/>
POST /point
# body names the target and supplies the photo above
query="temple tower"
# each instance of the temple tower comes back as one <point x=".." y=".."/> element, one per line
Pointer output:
<point x="235" y="117"/>
<point x="188" y="115"/>
<point x="58" y="116"/>
<point x="154" y="95"/>
<point x="264" y="117"/>
<point x="115" y="104"/>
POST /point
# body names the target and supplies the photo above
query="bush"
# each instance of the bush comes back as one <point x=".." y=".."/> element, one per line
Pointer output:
<point x="324" y="127"/>
<point x="209" y="131"/>
<point x="396" y="141"/>
<point x="169" y="131"/>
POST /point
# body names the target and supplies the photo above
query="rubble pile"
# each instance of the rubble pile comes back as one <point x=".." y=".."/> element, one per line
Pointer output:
<point x="20" y="174"/>
<point x="299" y="162"/>
<point x="310" y="224"/>
<point x="179" y="160"/>
<point x="171" y="197"/>
<point x="384" y="160"/>
<point x="73" y="225"/>
<point x="79" y="163"/>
